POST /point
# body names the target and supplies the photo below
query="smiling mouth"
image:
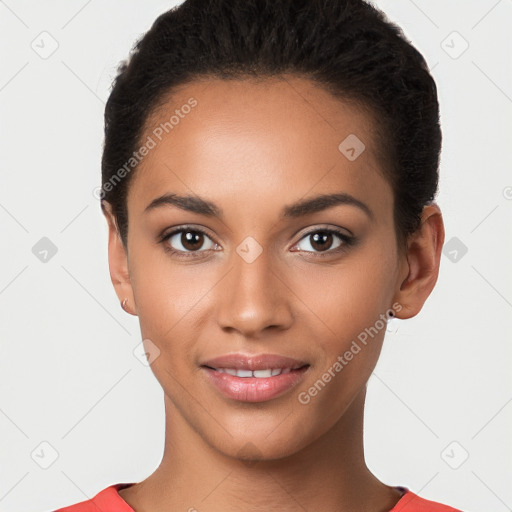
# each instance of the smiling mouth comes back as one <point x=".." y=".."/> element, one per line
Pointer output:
<point x="261" y="383"/>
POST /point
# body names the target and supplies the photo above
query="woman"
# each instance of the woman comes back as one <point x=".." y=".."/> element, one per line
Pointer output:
<point x="268" y="178"/>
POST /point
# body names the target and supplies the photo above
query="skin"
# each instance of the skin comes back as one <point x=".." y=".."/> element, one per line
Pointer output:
<point x="252" y="148"/>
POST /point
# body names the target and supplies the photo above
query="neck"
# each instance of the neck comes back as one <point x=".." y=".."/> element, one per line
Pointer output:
<point x="328" y="474"/>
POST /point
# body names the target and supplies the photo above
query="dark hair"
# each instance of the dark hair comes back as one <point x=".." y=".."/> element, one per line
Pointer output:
<point x="347" y="46"/>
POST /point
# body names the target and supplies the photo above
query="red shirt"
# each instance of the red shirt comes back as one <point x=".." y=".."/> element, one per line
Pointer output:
<point x="108" y="500"/>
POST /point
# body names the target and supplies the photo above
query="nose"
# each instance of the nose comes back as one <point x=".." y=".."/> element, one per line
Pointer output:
<point x="254" y="297"/>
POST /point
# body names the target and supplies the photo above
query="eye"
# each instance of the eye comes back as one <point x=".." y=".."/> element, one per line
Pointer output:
<point x="324" y="241"/>
<point x="185" y="241"/>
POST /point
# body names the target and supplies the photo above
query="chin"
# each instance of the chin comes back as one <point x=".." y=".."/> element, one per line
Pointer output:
<point x="261" y="447"/>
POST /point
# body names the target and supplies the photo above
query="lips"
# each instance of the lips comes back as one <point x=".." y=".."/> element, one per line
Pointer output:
<point x="254" y="363"/>
<point x="253" y="378"/>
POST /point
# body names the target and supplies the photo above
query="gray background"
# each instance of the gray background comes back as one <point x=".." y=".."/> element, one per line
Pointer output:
<point x="439" y="403"/>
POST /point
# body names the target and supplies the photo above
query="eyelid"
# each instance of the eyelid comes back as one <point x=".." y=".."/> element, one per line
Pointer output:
<point x="168" y="232"/>
<point x="325" y="227"/>
<point x="346" y="240"/>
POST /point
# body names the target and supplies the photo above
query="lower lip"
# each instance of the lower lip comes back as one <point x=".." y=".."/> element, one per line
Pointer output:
<point x="253" y="389"/>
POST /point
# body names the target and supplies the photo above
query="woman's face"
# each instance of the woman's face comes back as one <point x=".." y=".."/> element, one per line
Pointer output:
<point x="265" y="277"/>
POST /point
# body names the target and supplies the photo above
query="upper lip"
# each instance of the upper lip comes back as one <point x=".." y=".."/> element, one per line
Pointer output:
<point x="253" y="362"/>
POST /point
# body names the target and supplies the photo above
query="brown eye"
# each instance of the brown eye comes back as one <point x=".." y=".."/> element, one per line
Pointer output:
<point x="188" y="240"/>
<point x="323" y="240"/>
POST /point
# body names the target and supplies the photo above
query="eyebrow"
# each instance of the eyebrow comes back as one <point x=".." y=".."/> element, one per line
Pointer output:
<point x="196" y="204"/>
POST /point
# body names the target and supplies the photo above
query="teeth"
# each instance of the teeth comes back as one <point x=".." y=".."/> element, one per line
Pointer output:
<point x="244" y="373"/>
<point x="263" y="373"/>
<point x="259" y="374"/>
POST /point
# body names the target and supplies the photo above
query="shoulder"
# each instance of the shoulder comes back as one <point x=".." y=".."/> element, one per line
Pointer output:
<point x="411" y="502"/>
<point x="107" y="499"/>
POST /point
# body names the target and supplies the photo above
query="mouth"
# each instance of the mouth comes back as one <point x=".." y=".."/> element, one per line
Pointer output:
<point x="254" y="378"/>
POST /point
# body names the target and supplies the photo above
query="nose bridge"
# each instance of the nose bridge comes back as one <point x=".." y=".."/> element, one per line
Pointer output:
<point x="253" y="297"/>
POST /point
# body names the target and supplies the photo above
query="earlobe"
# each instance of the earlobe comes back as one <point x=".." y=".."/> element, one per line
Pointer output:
<point x="421" y="267"/>
<point x="118" y="262"/>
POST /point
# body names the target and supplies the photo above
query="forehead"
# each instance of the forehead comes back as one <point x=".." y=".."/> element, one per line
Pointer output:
<point x="272" y="138"/>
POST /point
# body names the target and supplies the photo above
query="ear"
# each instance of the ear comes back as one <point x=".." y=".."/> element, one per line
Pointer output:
<point x="118" y="261"/>
<point x="421" y="264"/>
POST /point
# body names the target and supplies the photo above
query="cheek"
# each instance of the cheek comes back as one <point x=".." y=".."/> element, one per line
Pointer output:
<point x="343" y="316"/>
<point x="341" y="301"/>
<point x="166" y="294"/>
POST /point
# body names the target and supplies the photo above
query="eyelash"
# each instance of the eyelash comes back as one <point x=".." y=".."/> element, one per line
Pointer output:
<point x="347" y="241"/>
